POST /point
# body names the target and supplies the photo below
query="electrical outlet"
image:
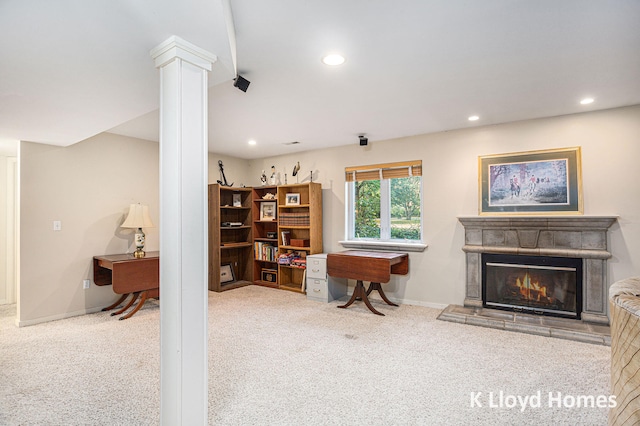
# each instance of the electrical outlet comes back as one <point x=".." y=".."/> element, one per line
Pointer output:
<point x="86" y="284"/>
<point x="57" y="225"/>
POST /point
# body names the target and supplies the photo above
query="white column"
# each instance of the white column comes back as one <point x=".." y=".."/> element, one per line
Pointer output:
<point x="183" y="231"/>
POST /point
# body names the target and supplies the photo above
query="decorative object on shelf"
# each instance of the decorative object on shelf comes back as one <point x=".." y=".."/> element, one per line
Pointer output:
<point x="237" y="200"/>
<point x="534" y="182"/>
<point x="230" y="224"/>
<point x="226" y="274"/>
<point x="269" y="196"/>
<point x="272" y="234"/>
<point x="299" y="242"/>
<point x="268" y="211"/>
<point x="295" y="171"/>
<point x="139" y="218"/>
<point x="270" y="275"/>
<point x="273" y="175"/>
<point x="223" y="182"/>
<point x="293" y="199"/>
<point x="263" y="178"/>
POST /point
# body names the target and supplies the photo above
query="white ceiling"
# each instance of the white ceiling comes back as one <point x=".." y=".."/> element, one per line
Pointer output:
<point x="71" y="69"/>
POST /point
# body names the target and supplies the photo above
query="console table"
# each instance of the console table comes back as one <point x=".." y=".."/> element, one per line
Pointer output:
<point x="128" y="276"/>
<point x="375" y="267"/>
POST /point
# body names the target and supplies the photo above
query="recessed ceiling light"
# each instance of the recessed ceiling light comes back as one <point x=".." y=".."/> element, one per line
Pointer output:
<point x="252" y="142"/>
<point x="333" y="60"/>
<point x="586" y="101"/>
<point x="474" y="118"/>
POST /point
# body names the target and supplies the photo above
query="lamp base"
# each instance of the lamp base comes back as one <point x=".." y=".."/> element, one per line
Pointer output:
<point x="139" y="239"/>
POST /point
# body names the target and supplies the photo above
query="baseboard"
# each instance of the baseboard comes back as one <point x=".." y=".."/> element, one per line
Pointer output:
<point x="432" y="305"/>
<point x="439" y="306"/>
<point x="27" y="323"/>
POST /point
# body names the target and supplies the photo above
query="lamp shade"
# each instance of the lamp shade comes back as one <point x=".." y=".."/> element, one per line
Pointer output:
<point x="138" y="217"/>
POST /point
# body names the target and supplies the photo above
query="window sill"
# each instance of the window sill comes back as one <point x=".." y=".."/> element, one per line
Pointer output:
<point x="384" y="245"/>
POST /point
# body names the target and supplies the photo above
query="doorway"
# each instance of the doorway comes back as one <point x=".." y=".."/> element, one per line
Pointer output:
<point x="8" y="229"/>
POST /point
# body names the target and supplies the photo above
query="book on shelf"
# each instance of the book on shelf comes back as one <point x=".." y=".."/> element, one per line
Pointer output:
<point x="265" y="251"/>
<point x="286" y="238"/>
<point x="294" y="219"/>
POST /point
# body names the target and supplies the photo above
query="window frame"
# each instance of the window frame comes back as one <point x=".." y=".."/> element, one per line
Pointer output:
<point x="385" y="241"/>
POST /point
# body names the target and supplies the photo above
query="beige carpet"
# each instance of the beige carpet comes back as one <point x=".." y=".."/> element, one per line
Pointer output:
<point x="278" y="359"/>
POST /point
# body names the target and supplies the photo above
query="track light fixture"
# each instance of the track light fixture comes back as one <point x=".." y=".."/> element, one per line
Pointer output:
<point x="241" y="83"/>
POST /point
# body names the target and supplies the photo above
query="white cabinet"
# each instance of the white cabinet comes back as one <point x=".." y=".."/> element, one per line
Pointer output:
<point x="320" y="286"/>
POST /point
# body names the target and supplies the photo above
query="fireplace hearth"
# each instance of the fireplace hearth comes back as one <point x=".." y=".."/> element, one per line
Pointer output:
<point x="537" y="257"/>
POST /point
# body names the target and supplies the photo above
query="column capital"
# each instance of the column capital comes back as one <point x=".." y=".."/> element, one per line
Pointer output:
<point x="175" y="47"/>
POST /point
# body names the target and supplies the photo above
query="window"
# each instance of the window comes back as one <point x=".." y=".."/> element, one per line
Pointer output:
<point x="384" y="205"/>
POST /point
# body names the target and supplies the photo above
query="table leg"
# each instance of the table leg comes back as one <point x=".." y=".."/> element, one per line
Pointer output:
<point x="110" y="307"/>
<point x="360" y="292"/>
<point x="356" y="291"/>
<point x="143" y="298"/>
<point x="377" y="286"/>
<point x="128" y="305"/>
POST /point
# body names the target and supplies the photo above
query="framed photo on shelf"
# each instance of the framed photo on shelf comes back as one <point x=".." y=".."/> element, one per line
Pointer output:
<point x="292" y="199"/>
<point x="237" y="200"/>
<point x="226" y="274"/>
<point x="268" y="211"/>
<point x="270" y="275"/>
<point x="533" y="182"/>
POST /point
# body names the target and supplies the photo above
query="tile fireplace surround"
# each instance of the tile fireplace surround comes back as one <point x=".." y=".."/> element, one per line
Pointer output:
<point x="583" y="237"/>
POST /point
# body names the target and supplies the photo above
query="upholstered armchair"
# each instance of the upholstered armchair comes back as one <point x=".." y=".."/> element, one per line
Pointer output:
<point x="624" y="302"/>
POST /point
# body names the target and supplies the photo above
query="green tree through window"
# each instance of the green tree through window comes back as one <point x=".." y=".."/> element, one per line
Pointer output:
<point x="386" y="209"/>
<point x="367" y="212"/>
<point x="405" y="208"/>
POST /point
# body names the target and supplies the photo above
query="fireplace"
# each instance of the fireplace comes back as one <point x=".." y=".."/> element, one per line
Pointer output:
<point x="547" y="275"/>
<point x="542" y="285"/>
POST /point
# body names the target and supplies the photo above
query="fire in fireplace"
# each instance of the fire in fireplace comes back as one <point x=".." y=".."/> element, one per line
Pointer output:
<point x="533" y="284"/>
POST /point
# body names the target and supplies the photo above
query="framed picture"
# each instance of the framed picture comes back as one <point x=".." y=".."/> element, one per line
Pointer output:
<point x="270" y="275"/>
<point x="534" y="182"/>
<point x="292" y="199"/>
<point x="268" y="211"/>
<point x="226" y="274"/>
<point x="237" y="201"/>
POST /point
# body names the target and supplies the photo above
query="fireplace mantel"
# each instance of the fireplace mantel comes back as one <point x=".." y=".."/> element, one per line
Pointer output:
<point x="583" y="237"/>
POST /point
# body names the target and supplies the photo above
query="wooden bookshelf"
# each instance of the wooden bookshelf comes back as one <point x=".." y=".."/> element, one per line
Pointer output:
<point x="265" y="247"/>
<point x="299" y="214"/>
<point x="230" y="236"/>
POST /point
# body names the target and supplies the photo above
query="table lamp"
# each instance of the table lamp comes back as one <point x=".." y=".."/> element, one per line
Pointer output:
<point x="138" y="217"/>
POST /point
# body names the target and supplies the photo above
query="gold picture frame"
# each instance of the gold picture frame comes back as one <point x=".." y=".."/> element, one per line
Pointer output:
<point x="269" y="275"/>
<point x="541" y="182"/>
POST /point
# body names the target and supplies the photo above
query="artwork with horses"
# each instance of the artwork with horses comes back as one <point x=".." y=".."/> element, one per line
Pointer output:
<point x="532" y="182"/>
<point x="529" y="183"/>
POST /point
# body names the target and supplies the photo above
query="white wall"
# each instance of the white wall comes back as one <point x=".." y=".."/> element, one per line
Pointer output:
<point x="5" y="291"/>
<point x="89" y="186"/>
<point x="610" y="142"/>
